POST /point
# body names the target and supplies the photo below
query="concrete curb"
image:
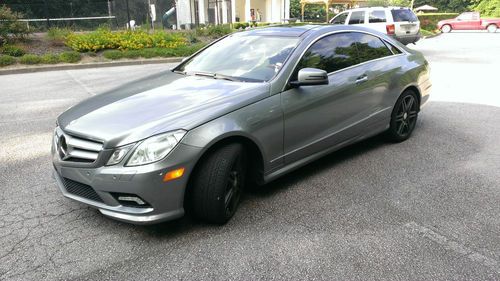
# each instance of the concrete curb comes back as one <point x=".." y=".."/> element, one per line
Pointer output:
<point x="86" y="65"/>
<point x="432" y="36"/>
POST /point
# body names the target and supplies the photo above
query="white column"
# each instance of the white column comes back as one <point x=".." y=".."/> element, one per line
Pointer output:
<point x="224" y="11"/>
<point x="287" y="9"/>
<point x="275" y="10"/>
<point x="247" y="11"/>
<point x="201" y="11"/>
<point x="233" y="11"/>
<point x="183" y="13"/>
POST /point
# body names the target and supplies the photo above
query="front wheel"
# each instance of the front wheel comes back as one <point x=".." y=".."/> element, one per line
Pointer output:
<point x="446" y="28"/>
<point x="404" y="117"/>
<point x="218" y="184"/>
<point x="492" y="28"/>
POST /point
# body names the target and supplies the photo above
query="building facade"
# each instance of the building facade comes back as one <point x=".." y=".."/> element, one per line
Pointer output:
<point x="203" y="12"/>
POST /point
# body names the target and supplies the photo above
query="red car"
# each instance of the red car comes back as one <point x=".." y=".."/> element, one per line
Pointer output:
<point x="469" y="21"/>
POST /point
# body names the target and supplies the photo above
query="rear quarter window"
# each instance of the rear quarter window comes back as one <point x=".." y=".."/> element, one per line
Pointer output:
<point x="370" y="47"/>
<point x="377" y="16"/>
<point x="357" y="17"/>
<point x="400" y="15"/>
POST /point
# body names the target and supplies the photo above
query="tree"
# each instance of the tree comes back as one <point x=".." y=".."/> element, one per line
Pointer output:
<point x="312" y="12"/>
<point x="442" y="5"/>
<point x="10" y="28"/>
<point x="488" y="8"/>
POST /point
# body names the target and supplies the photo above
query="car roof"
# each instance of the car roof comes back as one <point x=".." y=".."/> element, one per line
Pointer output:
<point x="377" y="8"/>
<point x="302" y="30"/>
<point x="281" y="30"/>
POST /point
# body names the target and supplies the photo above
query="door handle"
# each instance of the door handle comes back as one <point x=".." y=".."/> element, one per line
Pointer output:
<point x="361" y="79"/>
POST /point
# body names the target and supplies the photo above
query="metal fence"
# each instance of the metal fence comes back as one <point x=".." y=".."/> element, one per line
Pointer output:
<point x="90" y="14"/>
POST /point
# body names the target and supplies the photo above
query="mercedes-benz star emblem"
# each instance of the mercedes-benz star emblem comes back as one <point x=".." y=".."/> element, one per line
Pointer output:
<point x="63" y="147"/>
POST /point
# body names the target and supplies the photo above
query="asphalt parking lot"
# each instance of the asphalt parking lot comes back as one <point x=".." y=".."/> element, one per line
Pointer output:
<point x="425" y="209"/>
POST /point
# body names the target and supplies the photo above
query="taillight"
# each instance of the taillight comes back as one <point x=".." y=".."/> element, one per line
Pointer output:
<point x="391" y="29"/>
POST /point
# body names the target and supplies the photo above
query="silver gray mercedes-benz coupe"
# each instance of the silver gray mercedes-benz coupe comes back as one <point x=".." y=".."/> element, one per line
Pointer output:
<point x="243" y="111"/>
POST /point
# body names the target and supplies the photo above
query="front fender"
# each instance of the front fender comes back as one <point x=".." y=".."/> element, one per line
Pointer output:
<point x="260" y="122"/>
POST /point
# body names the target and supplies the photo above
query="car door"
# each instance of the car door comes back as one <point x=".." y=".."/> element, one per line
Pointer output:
<point x="463" y="22"/>
<point x="319" y="117"/>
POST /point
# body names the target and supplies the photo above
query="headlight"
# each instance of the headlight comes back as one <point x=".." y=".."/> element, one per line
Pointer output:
<point x="155" y="148"/>
<point x="118" y="154"/>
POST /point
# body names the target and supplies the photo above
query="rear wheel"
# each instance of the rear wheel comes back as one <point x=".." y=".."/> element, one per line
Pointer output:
<point x="492" y="28"/>
<point x="404" y="117"/>
<point x="446" y="28"/>
<point x="218" y="184"/>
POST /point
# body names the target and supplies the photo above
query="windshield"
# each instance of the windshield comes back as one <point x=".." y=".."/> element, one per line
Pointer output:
<point x="248" y="58"/>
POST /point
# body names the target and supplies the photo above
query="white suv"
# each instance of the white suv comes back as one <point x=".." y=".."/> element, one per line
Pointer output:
<point x="401" y="23"/>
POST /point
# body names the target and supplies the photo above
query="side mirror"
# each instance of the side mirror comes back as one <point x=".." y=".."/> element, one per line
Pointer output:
<point x="310" y="77"/>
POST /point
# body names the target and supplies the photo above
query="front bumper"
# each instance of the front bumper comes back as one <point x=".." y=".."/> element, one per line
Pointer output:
<point x="98" y="186"/>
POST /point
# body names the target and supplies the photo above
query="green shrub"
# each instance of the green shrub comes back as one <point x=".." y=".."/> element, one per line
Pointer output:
<point x="425" y="32"/>
<point x="12" y="51"/>
<point x="149" y="53"/>
<point x="51" y="59"/>
<point x="187" y="50"/>
<point x="30" y="59"/>
<point x="220" y="30"/>
<point x="10" y="28"/>
<point x="123" y="40"/>
<point x="70" y="57"/>
<point x="6" y="60"/>
<point x="240" y="25"/>
<point x="113" y="54"/>
<point x="58" y="34"/>
<point x="132" y="54"/>
<point x="429" y="21"/>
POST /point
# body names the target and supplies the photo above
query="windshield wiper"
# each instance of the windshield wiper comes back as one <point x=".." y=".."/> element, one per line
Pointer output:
<point x="216" y="76"/>
<point x="226" y="77"/>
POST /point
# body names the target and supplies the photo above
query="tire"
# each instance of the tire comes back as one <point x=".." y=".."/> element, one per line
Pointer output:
<point x="492" y="28"/>
<point x="404" y="117"/>
<point x="218" y="184"/>
<point x="446" y="28"/>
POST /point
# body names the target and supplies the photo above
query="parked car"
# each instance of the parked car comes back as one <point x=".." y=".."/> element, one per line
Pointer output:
<point x="469" y="21"/>
<point x="245" y="110"/>
<point x="400" y="23"/>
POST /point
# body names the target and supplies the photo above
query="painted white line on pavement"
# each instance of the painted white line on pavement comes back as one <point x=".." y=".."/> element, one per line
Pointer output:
<point x="451" y="245"/>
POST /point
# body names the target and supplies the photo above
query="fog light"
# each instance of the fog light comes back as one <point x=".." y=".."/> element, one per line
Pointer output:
<point x="174" y="174"/>
<point x="135" y="199"/>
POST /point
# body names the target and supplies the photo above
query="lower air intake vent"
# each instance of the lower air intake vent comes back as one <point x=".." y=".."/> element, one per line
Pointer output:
<point x="80" y="189"/>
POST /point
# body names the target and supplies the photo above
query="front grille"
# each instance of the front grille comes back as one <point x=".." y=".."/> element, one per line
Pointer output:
<point x="75" y="149"/>
<point x="80" y="189"/>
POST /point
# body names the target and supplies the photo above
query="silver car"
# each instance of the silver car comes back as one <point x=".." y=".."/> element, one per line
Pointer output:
<point x="245" y="110"/>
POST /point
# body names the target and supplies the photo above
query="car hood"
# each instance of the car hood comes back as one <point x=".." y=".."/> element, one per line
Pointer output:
<point x="159" y="103"/>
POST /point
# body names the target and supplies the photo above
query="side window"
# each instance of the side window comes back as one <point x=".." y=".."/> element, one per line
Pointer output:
<point x="377" y="16"/>
<point x="357" y="17"/>
<point x="370" y="47"/>
<point x="340" y="18"/>
<point x="331" y="53"/>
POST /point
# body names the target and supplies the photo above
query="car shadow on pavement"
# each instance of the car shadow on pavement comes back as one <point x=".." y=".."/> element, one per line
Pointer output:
<point x="316" y="167"/>
<point x="187" y="223"/>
